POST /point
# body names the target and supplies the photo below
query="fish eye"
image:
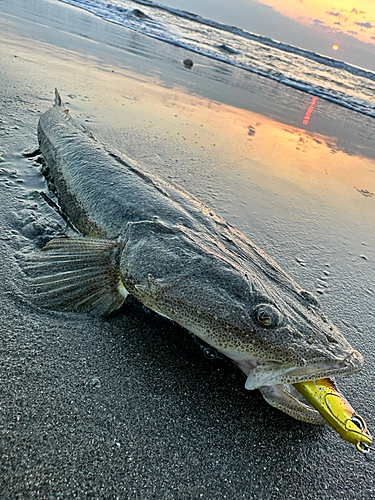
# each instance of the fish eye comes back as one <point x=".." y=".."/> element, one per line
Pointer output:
<point x="266" y="315"/>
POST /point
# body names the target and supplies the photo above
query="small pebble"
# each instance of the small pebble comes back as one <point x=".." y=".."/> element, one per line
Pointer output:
<point x="188" y="63"/>
<point x="96" y="383"/>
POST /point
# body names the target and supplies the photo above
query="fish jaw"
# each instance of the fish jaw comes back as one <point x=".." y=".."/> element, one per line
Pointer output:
<point x="276" y="383"/>
<point x="271" y="373"/>
<point x="286" y="399"/>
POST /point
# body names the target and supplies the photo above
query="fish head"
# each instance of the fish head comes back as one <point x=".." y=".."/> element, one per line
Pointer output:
<point x="273" y="330"/>
<point x="295" y="340"/>
<point x="281" y="332"/>
<point x="238" y="300"/>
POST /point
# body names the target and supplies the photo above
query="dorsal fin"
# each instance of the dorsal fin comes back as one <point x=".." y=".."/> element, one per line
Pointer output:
<point x="58" y="101"/>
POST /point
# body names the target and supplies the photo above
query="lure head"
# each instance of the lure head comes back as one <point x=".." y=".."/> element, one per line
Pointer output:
<point x="363" y="439"/>
<point x="347" y="423"/>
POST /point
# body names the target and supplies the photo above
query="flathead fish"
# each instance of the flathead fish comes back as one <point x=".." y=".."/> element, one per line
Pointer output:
<point x="146" y="237"/>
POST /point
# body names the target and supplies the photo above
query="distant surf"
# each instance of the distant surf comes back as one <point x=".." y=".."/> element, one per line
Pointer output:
<point x="321" y="76"/>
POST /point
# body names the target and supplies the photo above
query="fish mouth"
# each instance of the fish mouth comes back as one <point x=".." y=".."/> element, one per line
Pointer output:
<point x="287" y="399"/>
<point x="275" y="382"/>
<point x="272" y="373"/>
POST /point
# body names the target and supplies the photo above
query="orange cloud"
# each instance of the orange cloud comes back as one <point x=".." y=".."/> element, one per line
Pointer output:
<point x="324" y="14"/>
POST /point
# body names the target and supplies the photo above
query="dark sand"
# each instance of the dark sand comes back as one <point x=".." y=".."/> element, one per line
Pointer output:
<point x="131" y="406"/>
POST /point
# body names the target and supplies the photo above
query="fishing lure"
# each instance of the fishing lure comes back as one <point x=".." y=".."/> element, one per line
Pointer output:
<point x="335" y="409"/>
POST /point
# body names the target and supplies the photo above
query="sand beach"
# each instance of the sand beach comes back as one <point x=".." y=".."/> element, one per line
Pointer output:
<point x="131" y="406"/>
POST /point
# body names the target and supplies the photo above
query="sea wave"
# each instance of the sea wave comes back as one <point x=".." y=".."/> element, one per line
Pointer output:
<point x="319" y="75"/>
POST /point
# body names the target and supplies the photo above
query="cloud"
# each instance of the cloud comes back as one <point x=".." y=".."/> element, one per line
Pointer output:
<point x="352" y="32"/>
<point x="354" y="10"/>
<point x="333" y="13"/>
<point x="319" y="24"/>
<point x="364" y="25"/>
<point x="373" y="38"/>
<point x="337" y="22"/>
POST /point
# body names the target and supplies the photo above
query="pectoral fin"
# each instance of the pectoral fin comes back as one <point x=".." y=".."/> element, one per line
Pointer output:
<point x="77" y="274"/>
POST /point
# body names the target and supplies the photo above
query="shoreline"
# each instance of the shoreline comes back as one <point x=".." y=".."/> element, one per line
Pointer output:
<point x="165" y="421"/>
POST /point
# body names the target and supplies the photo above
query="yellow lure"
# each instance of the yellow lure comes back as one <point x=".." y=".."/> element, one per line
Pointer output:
<point x="334" y="408"/>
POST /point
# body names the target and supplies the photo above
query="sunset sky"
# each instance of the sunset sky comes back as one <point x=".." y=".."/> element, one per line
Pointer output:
<point x="354" y="18"/>
<point x="316" y="25"/>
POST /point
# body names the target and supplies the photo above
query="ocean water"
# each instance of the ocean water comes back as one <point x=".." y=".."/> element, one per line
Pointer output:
<point x="318" y="75"/>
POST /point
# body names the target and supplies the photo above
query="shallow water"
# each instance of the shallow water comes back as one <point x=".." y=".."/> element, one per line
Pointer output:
<point x="130" y="405"/>
<point x="326" y="77"/>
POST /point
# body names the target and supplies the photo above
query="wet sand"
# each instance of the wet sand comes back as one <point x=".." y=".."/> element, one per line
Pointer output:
<point x="131" y="406"/>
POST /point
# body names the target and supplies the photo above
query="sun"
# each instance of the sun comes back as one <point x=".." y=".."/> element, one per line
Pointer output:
<point x="335" y="47"/>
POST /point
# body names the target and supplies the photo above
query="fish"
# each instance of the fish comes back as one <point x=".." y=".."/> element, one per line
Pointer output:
<point x="142" y="236"/>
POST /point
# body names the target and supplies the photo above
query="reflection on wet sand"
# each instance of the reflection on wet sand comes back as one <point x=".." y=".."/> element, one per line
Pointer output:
<point x="298" y="155"/>
<point x="287" y="145"/>
<point x="309" y="111"/>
